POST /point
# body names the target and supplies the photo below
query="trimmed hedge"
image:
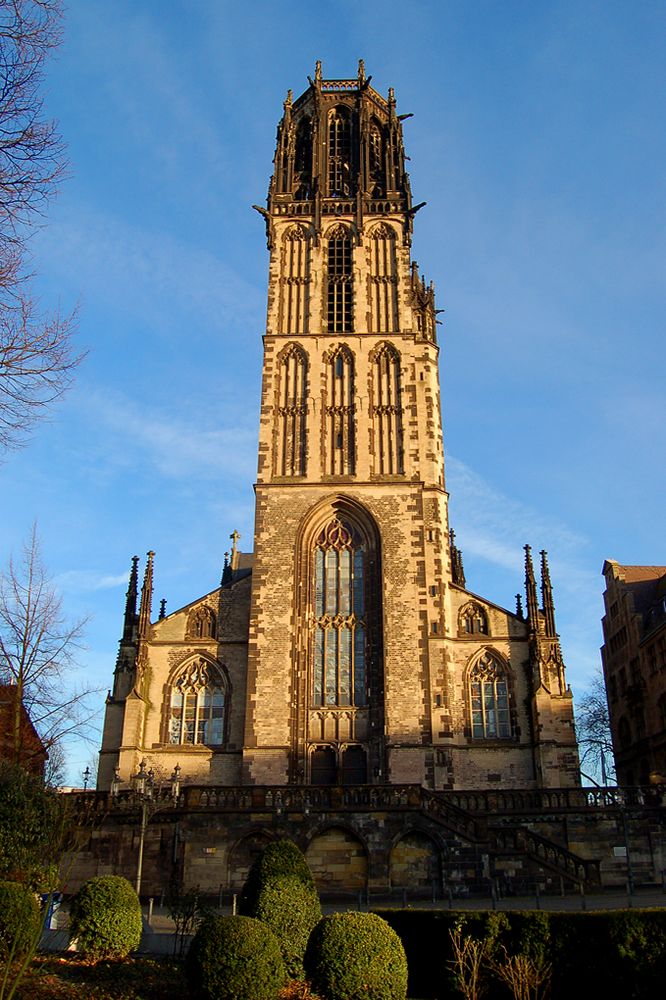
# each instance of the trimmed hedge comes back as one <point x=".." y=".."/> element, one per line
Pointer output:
<point x="105" y="918"/>
<point x="283" y="858"/>
<point x="291" y="909"/>
<point x="356" y="955"/>
<point x="617" y="952"/>
<point x="235" y="958"/>
<point x="20" y="920"/>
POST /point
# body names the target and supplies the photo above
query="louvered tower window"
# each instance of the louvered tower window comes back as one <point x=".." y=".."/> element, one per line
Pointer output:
<point x="340" y="281"/>
<point x="340" y="431"/>
<point x="339" y="154"/>
<point x="383" y="281"/>
<point x="295" y="282"/>
<point x="292" y="412"/>
<point x="387" y="412"/>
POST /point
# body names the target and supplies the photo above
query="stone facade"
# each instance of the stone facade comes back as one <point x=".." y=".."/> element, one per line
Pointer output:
<point x="343" y="675"/>
<point x="404" y="675"/>
<point x="634" y="662"/>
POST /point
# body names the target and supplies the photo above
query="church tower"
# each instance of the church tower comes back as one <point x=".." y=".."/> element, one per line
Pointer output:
<point x="356" y="586"/>
<point x="347" y="650"/>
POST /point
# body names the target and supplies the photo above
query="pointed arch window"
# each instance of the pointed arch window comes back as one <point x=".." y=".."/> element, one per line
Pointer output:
<point x="489" y="698"/>
<point x="201" y="623"/>
<point x="339" y="154"/>
<point x="383" y="280"/>
<point x="295" y="283"/>
<point x="340" y="413"/>
<point x="303" y="160"/>
<point x="339" y="650"/>
<point x="472" y="620"/>
<point x="376" y="166"/>
<point x="292" y="412"/>
<point x="387" y="411"/>
<point x="197" y="708"/>
<point x="340" y="307"/>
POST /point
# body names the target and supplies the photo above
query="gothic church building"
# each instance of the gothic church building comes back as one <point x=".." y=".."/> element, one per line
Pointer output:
<point x="346" y="650"/>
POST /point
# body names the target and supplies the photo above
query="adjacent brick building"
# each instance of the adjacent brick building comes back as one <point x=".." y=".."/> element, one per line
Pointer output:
<point x="634" y="662"/>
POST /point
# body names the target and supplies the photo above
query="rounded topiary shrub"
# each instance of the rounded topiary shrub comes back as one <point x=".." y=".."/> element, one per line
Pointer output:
<point x="235" y="958"/>
<point x="20" y="920"/>
<point x="277" y="860"/>
<point x="291" y="909"/>
<point x="105" y="918"/>
<point x="356" y="955"/>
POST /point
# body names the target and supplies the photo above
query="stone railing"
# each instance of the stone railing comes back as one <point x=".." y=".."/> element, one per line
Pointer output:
<point x="520" y="840"/>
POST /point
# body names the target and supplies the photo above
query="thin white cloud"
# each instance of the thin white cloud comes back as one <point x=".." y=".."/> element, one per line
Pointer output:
<point x="88" y="580"/>
<point x="178" y="449"/>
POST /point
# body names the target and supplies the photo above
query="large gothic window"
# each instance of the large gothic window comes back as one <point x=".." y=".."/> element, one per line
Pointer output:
<point x="340" y="306"/>
<point x="295" y="282"/>
<point x="339" y="413"/>
<point x="197" y="705"/>
<point x="383" y="280"/>
<point x="489" y="698"/>
<point x="339" y="153"/>
<point x="387" y="411"/>
<point x="339" y="667"/>
<point x="292" y="412"/>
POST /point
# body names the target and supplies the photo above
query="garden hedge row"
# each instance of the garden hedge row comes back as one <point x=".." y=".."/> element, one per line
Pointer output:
<point x="613" y="953"/>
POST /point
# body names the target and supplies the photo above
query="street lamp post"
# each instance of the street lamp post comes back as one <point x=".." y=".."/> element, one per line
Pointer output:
<point x="143" y="786"/>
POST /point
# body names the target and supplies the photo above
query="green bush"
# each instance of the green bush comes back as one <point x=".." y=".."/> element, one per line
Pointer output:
<point x="291" y="909"/>
<point x="278" y="859"/>
<point x="105" y="918"/>
<point x="356" y="955"/>
<point x="20" y="920"/>
<point x="235" y="958"/>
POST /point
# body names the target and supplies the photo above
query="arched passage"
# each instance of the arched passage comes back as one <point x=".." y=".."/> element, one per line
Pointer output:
<point x="338" y="860"/>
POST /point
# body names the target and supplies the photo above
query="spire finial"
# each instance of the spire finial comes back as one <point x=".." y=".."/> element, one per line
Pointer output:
<point x="146" y="598"/>
<point x="226" y="572"/>
<point x="130" y="602"/>
<point x="163" y="605"/>
<point x="519" y="607"/>
<point x="361" y="71"/>
<point x="234" y="536"/>
<point x="547" y="596"/>
<point x="318" y="71"/>
<point x="531" y="591"/>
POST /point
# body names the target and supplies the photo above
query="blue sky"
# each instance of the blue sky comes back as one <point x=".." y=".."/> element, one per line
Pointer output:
<point x="538" y="143"/>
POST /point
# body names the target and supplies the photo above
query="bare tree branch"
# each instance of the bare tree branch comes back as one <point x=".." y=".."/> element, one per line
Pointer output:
<point x="594" y="732"/>
<point x="37" y="357"/>
<point x="38" y="649"/>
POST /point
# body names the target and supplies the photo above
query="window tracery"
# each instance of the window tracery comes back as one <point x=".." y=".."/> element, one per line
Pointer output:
<point x="376" y="166"/>
<point x="340" y="413"/>
<point x="339" y="153"/>
<point x="387" y="411"/>
<point x="197" y="705"/>
<point x="472" y="620"/>
<point x="340" y="305"/>
<point x="383" y="280"/>
<point x="339" y="648"/>
<point x="295" y="282"/>
<point x="489" y="698"/>
<point x="201" y="623"/>
<point x="292" y="412"/>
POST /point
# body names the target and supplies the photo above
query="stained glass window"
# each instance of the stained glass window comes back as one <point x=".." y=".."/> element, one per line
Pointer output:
<point x="198" y="699"/>
<point x="339" y="668"/>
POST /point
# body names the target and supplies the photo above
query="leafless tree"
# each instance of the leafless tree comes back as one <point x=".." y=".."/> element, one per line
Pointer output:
<point x="37" y="357"/>
<point x="38" y="647"/>
<point x="594" y="732"/>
